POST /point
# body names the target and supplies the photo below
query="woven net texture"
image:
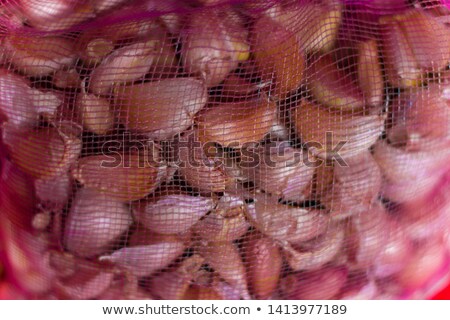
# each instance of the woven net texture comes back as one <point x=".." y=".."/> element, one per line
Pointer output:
<point x="210" y="149"/>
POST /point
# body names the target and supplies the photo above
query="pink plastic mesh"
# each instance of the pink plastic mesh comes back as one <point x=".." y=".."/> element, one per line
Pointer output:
<point x="219" y="149"/>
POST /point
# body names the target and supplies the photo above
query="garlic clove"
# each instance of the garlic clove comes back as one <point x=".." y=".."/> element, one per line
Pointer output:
<point x="370" y="229"/>
<point x="333" y="87"/>
<point x="89" y="281"/>
<point x="51" y="16"/>
<point x="281" y="172"/>
<point x="16" y="104"/>
<point x="213" y="45"/>
<point x="207" y="174"/>
<point x="278" y="55"/>
<point x="237" y="124"/>
<point x="144" y="260"/>
<point x="44" y="152"/>
<point x="319" y="252"/>
<point x="67" y="79"/>
<point x="422" y="266"/>
<point x="264" y="264"/>
<point x="126" y="177"/>
<point x="227" y="222"/>
<point x="408" y="175"/>
<point x="172" y="214"/>
<point x="317" y="22"/>
<point x="286" y="223"/>
<point x="226" y="260"/>
<point x="54" y="192"/>
<point x="330" y="134"/>
<point x="121" y="66"/>
<point x="429" y="39"/>
<point x="160" y="109"/>
<point x="39" y="56"/>
<point x="370" y="75"/>
<point x="321" y="284"/>
<point x="356" y="185"/>
<point x="196" y="292"/>
<point x="95" y="113"/>
<point x="401" y="66"/>
<point x="173" y="285"/>
<point x="94" y="222"/>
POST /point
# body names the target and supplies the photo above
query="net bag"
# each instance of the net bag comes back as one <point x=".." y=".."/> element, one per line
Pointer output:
<point x="208" y="149"/>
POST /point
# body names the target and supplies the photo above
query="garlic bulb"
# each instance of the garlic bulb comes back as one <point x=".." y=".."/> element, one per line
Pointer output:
<point x="95" y="220"/>
<point x="409" y="175"/>
<point x="281" y="171"/>
<point x="160" y="109"/>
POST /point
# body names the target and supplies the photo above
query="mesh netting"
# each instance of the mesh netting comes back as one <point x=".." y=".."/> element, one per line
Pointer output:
<point x="219" y="149"/>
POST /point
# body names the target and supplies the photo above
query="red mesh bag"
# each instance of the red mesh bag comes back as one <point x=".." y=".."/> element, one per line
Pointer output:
<point x="208" y="149"/>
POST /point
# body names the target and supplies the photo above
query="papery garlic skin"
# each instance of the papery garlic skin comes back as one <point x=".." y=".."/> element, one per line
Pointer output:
<point x="94" y="222"/>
